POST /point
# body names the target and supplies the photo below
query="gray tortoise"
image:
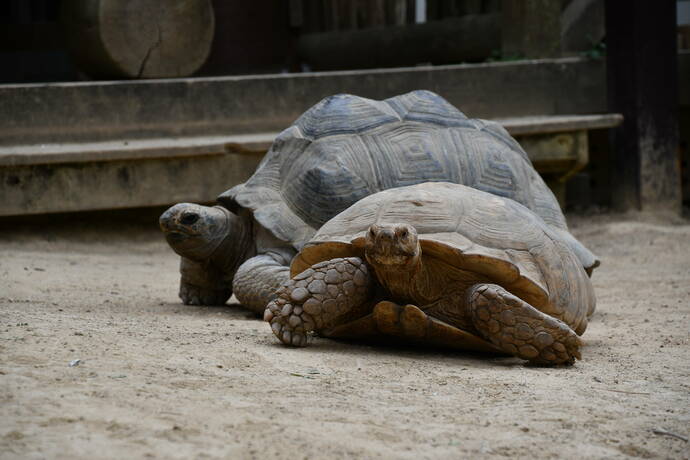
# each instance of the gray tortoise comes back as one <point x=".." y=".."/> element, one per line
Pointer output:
<point x="341" y="150"/>
<point x="443" y="264"/>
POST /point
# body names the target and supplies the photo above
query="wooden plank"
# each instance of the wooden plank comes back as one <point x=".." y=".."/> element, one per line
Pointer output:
<point x="470" y="38"/>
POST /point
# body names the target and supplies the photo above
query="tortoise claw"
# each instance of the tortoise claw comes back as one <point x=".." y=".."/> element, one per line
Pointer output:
<point x="195" y="295"/>
<point x="292" y="325"/>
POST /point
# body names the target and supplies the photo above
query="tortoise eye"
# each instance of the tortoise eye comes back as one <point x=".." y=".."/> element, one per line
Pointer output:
<point x="403" y="233"/>
<point x="189" y="219"/>
<point x="372" y="232"/>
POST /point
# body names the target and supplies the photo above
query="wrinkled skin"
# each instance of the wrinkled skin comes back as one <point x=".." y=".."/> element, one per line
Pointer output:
<point x="194" y="231"/>
<point x="201" y="235"/>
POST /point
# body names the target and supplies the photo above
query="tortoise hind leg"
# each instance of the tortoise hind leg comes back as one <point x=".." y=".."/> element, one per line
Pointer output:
<point x="518" y="328"/>
<point x="411" y="323"/>
<point x="257" y="280"/>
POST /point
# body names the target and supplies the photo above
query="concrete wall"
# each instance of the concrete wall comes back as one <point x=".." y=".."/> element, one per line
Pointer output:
<point x="69" y="112"/>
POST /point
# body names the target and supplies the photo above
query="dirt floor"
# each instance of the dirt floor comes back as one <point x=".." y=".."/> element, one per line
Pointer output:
<point x="161" y="380"/>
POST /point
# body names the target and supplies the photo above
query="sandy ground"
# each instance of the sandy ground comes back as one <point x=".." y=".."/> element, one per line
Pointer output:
<point x="161" y="380"/>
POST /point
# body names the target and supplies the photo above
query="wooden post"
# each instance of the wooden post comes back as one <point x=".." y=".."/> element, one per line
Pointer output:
<point x="643" y="86"/>
<point x="531" y="29"/>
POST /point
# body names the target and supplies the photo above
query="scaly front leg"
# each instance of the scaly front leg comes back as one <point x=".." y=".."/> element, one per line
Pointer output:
<point x="202" y="284"/>
<point x="325" y="295"/>
<point x="520" y="329"/>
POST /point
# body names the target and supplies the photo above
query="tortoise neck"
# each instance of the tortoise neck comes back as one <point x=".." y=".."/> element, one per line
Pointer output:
<point x="406" y="284"/>
<point x="236" y="246"/>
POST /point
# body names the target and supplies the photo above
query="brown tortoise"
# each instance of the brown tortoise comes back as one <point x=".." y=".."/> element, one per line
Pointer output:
<point x="444" y="264"/>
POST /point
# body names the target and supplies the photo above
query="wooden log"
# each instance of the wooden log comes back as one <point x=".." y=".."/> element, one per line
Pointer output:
<point x="138" y="38"/>
<point x="470" y="38"/>
<point x="643" y="86"/>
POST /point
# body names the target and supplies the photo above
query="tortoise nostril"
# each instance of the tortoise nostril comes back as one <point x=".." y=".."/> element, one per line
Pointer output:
<point x="189" y="219"/>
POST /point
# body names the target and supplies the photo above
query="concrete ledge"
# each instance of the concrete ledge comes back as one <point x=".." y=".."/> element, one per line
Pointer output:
<point x="112" y="175"/>
<point x="49" y="188"/>
<point x="523" y="126"/>
<point x="110" y="145"/>
<point x="137" y="149"/>
<point x="259" y="143"/>
<point x="149" y="109"/>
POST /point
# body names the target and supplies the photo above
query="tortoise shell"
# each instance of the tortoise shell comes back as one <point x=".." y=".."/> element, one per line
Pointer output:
<point x="472" y="230"/>
<point x="348" y="147"/>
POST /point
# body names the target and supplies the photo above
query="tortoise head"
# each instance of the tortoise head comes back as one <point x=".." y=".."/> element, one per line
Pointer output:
<point x="394" y="246"/>
<point x="195" y="231"/>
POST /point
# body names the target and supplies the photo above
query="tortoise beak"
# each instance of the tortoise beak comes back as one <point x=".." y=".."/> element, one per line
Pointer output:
<point x="177" y="224"/>
<point x="175" y="237"/>
<point x="167" y="220"/>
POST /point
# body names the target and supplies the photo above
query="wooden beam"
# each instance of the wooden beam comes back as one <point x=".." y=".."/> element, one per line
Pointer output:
<point x="643" y="86"/>
<point x="469" y="38"/>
